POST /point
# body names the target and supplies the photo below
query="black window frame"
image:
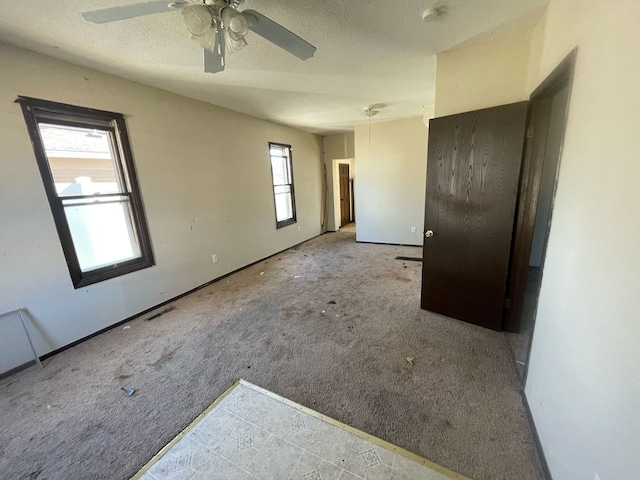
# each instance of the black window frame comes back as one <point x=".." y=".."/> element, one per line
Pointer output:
<point x="43" y="111"/>
<point x="293" y="219"/>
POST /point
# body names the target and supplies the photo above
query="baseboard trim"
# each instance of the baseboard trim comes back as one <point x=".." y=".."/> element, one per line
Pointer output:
<point x="392" y="244"/>
<point x="543" y="460"/>
<point x="17" y="369"/>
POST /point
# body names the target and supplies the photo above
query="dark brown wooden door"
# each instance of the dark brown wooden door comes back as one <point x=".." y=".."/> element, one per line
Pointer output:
<point x="473" y="166"/>
<point x="345" y="195"/>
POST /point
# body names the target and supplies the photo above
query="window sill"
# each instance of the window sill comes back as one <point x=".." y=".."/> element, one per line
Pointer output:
<point x="286" y="223"/>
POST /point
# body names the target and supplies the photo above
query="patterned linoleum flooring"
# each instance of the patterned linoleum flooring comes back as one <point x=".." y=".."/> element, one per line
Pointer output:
<point x="252" y="435"/>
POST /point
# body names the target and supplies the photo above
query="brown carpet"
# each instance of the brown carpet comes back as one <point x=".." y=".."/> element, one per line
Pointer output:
<point x="272" y="324"/>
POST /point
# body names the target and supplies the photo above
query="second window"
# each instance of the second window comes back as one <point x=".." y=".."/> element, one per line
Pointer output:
<point x="282" y="175"/>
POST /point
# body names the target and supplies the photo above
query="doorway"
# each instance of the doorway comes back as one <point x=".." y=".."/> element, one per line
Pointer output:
<point x="342" y="213"/>
<point x="548" y="109"/>
<point x="489" y="198"/>
<point x="345" y="194"/>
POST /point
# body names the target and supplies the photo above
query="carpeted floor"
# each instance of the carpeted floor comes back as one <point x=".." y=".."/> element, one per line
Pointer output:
<point x="273" y="324"/>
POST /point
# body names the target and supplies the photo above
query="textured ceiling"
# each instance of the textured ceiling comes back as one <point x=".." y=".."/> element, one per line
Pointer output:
<point x="368" y="52"/>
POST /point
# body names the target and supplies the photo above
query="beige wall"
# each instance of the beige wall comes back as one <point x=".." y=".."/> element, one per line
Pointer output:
<point x="481" y="76"/>
<point x="206" y="184"/>
<point x="339" y="146"/>
<point x="390" y="184"/>
<point x="535" y="54"/>
<point x="583" y="385"/>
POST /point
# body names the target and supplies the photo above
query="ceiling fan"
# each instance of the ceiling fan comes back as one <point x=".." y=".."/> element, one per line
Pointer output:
<point x="216" y="25"/>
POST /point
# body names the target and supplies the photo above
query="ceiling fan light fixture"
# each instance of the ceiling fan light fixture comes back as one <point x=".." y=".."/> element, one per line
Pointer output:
<point x="198" y="19"/>
<point x="214" y="25"/>
<point x="235" y="22"/>
<point x="234" y="44"/>
<point x="207" y="40"/>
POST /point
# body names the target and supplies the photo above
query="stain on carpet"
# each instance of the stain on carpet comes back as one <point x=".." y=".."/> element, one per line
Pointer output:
<point x="165" y="358"/>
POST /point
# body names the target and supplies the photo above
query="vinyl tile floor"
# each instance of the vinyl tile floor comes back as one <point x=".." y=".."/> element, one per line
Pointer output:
<point x="250" y="433"/>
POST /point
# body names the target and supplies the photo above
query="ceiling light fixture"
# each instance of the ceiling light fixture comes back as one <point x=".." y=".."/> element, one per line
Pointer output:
<point x="433" y="13"/>
<point x="372" y="111"/>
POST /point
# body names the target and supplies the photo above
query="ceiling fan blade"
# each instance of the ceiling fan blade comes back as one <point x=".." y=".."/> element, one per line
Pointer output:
<point x="127" y="11"/>
<point x="214" y="61"/>
<point x="277" y="34"/>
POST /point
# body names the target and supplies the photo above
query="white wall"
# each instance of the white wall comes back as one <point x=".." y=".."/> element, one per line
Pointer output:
<point x="583" y="384"/>
<point x="484" y="75"/>
<point x="535" y="54"/>
<point x="206" y="185"/>
<point x="390" y="184"/>
<point x="337" y="146"/>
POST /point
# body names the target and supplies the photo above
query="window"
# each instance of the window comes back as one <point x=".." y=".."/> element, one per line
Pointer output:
<point x="87" y="169"/>
<point x="282" y="173"/>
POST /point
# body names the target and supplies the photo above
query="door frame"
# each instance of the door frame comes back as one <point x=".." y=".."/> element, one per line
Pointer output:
<point x="526" y="207"/>
<point x="347" y="194"/>
<point x="335" y="189"/>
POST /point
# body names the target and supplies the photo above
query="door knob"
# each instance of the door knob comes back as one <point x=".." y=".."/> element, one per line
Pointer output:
<point x="428" y="233"/>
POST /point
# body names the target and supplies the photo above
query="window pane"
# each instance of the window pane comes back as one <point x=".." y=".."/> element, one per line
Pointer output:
<point x="81" y="159"/>
<point x="102" y="233"/>
<point x="85" y="160"/>
<point x="282" y="176"/>
<point x="278" y="151"/>
<point x="280" y="170"/>
<point x="282" y="189"/>
<point x="284" y="205"/>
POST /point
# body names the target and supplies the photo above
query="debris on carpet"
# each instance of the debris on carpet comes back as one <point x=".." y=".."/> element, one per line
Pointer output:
<point x="410" y="259"/>
<point x="166" y="310"/>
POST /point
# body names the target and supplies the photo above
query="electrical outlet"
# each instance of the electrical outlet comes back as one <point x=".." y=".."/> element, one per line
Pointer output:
<point x="214" y="258"/>
<point x="299" y="228"/>
<point x="413" y="229"/>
